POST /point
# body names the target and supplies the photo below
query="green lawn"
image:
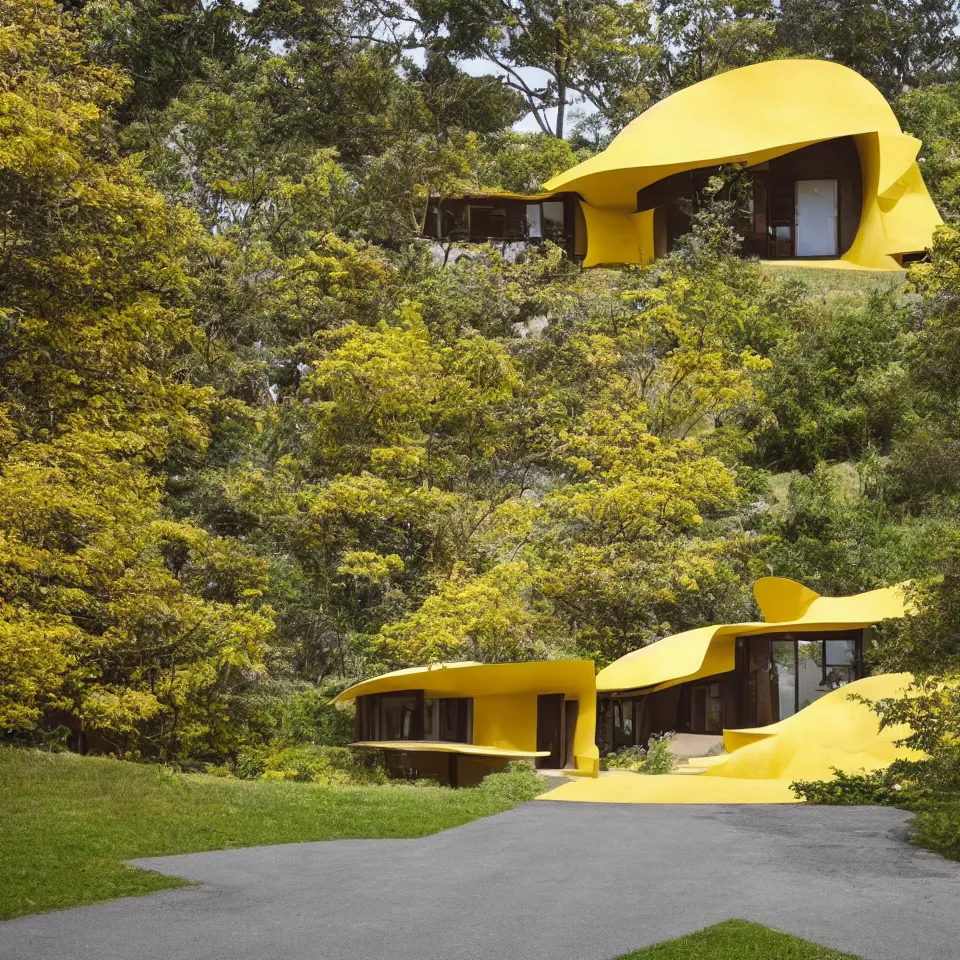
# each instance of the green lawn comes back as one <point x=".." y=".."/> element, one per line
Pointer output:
<point x="936" y="826"/>
<point x="826" y="282"/>
<point x="68" y="822"/>
<point x="737" y="940"/>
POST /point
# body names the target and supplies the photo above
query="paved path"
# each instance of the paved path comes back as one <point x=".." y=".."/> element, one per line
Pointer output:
<point x="547" y="881"/>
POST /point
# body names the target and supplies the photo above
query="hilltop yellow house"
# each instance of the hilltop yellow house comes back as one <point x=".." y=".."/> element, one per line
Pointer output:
<point x="835" y="182"/>
<point x="456" y="722"/>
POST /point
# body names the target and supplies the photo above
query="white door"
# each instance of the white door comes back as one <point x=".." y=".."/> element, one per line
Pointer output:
<point x="816" y="218"/>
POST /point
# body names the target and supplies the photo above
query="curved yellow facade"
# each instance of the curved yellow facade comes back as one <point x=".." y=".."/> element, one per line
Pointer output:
<point x="705" y="651"/>
<point x="834" y="732"/>
<point x="750" y="116"/>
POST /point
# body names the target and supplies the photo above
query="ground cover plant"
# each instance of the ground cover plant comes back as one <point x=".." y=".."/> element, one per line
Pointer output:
<point x="737" y="940"/>
<point x="70" y="822"/>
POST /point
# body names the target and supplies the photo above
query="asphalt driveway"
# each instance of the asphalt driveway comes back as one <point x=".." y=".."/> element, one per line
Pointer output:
<point x="546" y="881"/>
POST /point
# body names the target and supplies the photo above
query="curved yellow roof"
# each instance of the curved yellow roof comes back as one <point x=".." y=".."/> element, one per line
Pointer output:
<point x="704" y="651"/>
<point x="447" y="746"/>
<point x="471" y="679"/>
<point x="749" y="116"/>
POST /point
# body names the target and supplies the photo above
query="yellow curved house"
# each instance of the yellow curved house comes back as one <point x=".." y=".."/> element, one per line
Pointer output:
<point x="834" y="732"/>
<point x="835" y="179"/>
<point x="752" y="674"/>
<point x="776" y="690"/>
<point x="458" y="721"/>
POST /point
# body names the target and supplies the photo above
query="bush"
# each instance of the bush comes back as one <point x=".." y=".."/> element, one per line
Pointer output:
<point x="877" y="787"/>
<point x="329" y="766"/>
<point x="655" y="759"/>
<point x="517" y="784"/>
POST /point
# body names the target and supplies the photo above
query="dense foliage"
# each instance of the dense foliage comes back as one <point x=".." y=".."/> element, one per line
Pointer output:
<point x="257" y="442"/>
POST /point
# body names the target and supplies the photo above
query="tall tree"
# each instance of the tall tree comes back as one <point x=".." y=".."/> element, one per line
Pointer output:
<point x="701" y="38"/>
<point x="897" y="44"/>
<point x="553" y="53"/>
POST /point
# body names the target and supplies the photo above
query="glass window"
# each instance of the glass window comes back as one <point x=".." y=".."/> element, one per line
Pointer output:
<point x="841" y="653"/>
<point x="455" y="719"/>
<point x="397" y="712"/>
<point x="784" y="654"/>
<point x="714" y="709"/>
<point x="553" y="220"/>
<point x="809" y="672"/>
<point x="431" y="719"/>
<point x="534" y="226"/>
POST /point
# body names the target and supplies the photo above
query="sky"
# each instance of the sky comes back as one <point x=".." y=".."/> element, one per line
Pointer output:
<point x="480" y="67"/>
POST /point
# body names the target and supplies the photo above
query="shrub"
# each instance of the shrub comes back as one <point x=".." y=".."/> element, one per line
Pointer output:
<point x="656" y="758"/>
<point x="330" y="766"/>
<point x="876" y="787"/>
<point x="517" y="784"/>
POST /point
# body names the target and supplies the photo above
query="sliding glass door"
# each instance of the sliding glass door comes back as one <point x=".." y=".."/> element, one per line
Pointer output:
<point x="785" y="673"/>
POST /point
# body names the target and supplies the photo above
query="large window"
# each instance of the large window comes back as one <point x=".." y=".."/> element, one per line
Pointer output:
<point x="408" y="715"/>
<point x="787" y="672"/>
<point x="398" y="716"/>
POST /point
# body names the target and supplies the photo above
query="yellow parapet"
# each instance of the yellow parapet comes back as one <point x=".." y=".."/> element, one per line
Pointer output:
<point x="750" y="116"/>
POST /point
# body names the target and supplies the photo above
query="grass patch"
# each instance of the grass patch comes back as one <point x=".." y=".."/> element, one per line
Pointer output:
<point x="936" y="826"/>
<point x="737" y="940"/>
<point x="827" y="282"/>
<point x="70" y="821"/>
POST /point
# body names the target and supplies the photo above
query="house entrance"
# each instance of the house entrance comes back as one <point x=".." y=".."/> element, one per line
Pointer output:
<point x="816" y="218"/>
<point x="550" y="730"/>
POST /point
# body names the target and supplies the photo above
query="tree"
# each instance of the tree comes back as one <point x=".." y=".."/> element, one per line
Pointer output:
<point x="598" y="51"/>
<point x="160" y="45"/>
<point x="701" y="38"/>
<point x="137" y="626"/>
<point x="896" y="44"/>
<point x="932" y="114"/>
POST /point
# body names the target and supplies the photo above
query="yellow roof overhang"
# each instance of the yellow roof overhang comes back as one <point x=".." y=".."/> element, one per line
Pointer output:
<point x="739" y="116"/>
<point x="443" y="746"/>
<point x="479" y="679"/>
<point x="706" y="651"/>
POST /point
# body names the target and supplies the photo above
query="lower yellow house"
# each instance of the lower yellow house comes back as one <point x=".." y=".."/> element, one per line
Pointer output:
<point x="457" y="722"/>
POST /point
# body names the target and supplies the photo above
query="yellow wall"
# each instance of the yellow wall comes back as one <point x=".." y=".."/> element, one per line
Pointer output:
<point x="509" y="722"/>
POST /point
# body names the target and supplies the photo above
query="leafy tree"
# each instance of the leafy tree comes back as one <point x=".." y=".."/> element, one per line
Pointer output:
<point x="932" y="114"/>
<point x="524" y="162"/>
<point x="138" y="627"/>
<point x="897" y="44"/>
<point x="161" y="45"/>
<point x="701" y="38"/>
<point x="837" y="385"/>
<point x="598" y="51"/>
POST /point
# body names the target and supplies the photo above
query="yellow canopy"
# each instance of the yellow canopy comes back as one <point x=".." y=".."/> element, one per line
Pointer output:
<point x="481" y="679"/>
<point x="749" y="116"/>
<point x="788" y="606"/>
<point x="445" y="746"/>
